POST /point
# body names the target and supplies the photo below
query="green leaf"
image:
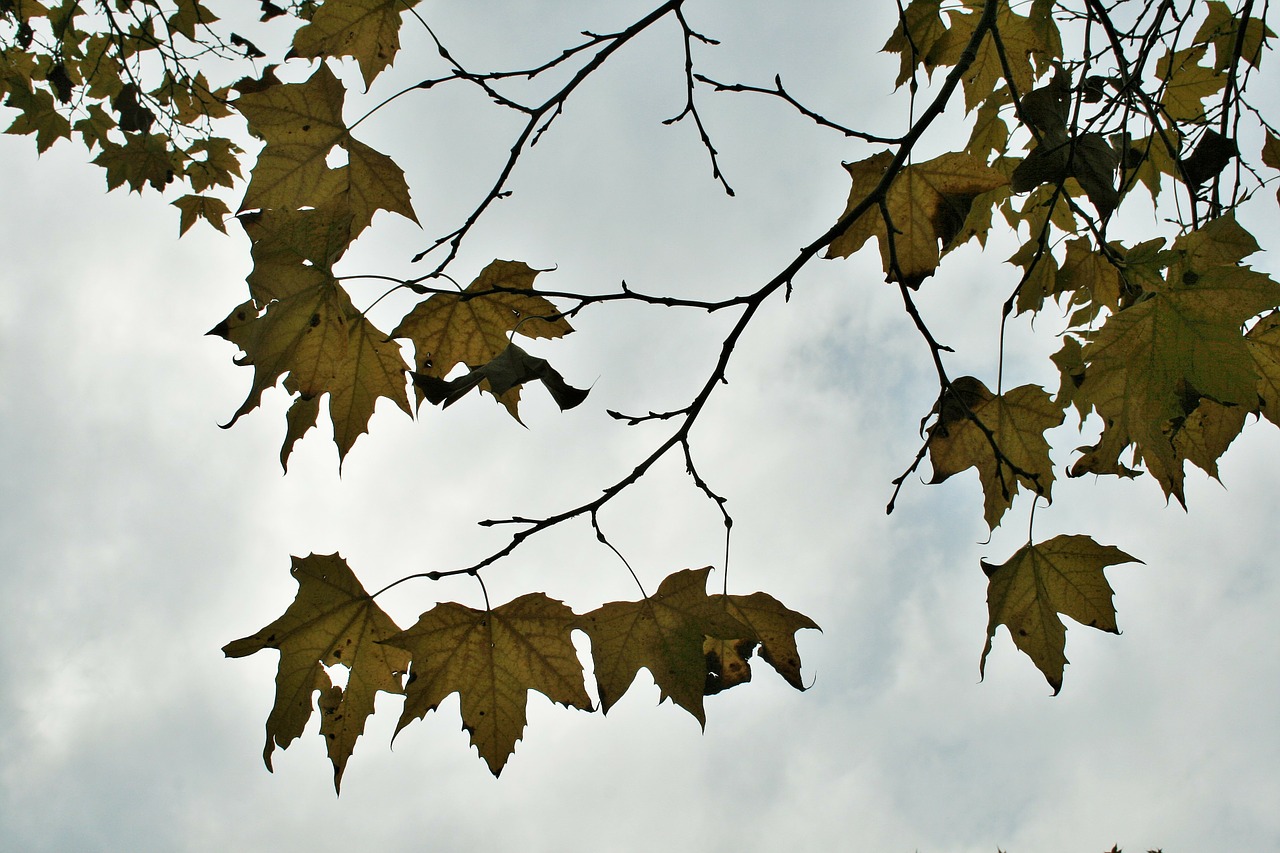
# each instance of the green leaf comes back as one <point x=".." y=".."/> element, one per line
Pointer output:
<point x="145" y="159"/>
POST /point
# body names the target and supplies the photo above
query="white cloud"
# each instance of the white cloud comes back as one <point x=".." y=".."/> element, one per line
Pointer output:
<point x="139" y="538"/>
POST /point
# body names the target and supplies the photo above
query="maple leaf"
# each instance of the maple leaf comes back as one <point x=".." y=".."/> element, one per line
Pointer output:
<point x="1187" y="83"/>
<point x="1146" y="159"/>
<point x="990" y="133"/>
<point x="727" y="663"/>
<point x="927" y="203"/>
<point x="190" y="14"/>
<point x="301" y="123"/>
<point x="1183" y="338"/>
<point x="1271" y="150"/>
<point x="317" y="337"/>
<point x="1025" y="41"/>
<point x="1263" y="341"/>
<point x="144" y="159"/>
<point x="308" y="328"/>
<point x="773" y="625"/>
<point x="492" y="659"/>
<point x="219" y="167"/>
<point x="1206" y="433"/>
<point x="1221" y="28"/>
<point x="1091" y="279"/>
<point x="1104" y="457"/>
<point x="368" y="30"/>
<point x="1026" y="594"/>
<point x="970" y="418"/>
<point x="509" y="370"/>
<point x="664" y="633"/>
<point x="194" y="207"/>
<point x="448" y="330"/>
<point x="1040" y="274"/>
<point x="39" y="116"/>
<point x="376" y="183"/>
<point x="331" y="621"/>
<point x="373" y="368"/>
<point x="95" y="126"/>
<point x="294" y="250"/>
<point x="919" y="28"/>
<point x="301" y="417"/>
<point x="1088" y="158"/>
<point x="304" y="335"/>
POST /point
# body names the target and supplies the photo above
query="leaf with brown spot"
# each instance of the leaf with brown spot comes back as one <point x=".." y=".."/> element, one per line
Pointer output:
<point x="331" y="621"/>
<point x="448" y="329"/>
<point x="664" y="633"/>
<point x="775" y="626"/>
<point x="1026" y="594"/>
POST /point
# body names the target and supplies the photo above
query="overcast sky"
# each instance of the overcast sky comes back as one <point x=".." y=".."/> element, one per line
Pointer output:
<point x="138" y="538"/>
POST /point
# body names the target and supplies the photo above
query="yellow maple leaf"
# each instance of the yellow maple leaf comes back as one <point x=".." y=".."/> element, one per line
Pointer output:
<point x="368" y="30"/>
<point x="375" y="183"/>
<point x="304" y="335"/>
<point x="1026" y="594"/>
<point x="448" y="329"/>
<point x="324" y="345"/>
<point x="294" y="250"/>
<point x="664" y="633"/>
<point x="1221" y="27"/>
<point x="492" y="659"/>
<point x="1016" y="421"/>
<point x="774" y="625"/>
<point x="928" y="203"/>
<point x="302" y="125"/>
<point x="212" y="210"/>
<point x="373" y="367"/>
<point x="1263" y="341"/>
<point x="1027" y="41"/>
<point x="919" y="28"/>
<point x="1183" y="339"/>
<point x="331" y="621"/>
<point x="1092" y="279"/>
<point x="1205" y="434"/>
<point x="1187" y="83"/>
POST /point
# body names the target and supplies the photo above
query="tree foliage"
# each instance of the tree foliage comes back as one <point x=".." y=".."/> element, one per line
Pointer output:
<point x="1082" y="117"/>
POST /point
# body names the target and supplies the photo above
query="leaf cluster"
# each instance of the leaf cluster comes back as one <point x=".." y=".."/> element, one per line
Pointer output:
<point x="692" y="643"/>
<point x="1082" y="119"/>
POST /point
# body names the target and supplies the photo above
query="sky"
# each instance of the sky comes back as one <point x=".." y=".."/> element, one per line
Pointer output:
<point x="138" y="538"/>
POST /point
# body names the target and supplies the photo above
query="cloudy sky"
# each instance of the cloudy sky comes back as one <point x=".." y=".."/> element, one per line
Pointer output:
<point x="138" y="538"/>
